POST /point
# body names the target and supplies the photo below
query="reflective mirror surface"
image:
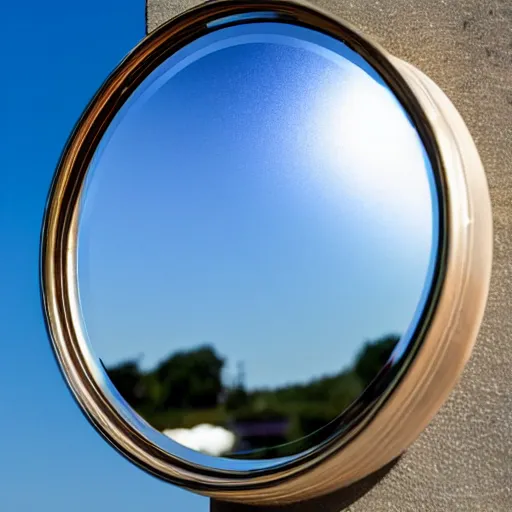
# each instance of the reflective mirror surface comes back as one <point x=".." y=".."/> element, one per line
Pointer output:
<point x="257" y="238"/>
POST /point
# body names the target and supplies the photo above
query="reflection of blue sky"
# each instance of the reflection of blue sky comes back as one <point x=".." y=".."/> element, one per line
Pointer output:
<point x="226" y="210"/>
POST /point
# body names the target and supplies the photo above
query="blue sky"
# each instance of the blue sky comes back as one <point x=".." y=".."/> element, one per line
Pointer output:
<point x="221" y="208"/>
<point x="55" y="56"/>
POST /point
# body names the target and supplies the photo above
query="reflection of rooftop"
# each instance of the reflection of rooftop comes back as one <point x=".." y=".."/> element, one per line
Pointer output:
<point x="260" y="428"/>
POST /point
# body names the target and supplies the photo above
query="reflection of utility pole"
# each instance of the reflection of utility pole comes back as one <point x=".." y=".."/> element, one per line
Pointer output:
<point x="241" y="375"/>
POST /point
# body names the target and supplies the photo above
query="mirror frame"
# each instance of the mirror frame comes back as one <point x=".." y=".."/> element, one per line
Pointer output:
<point x="399" y="403"/>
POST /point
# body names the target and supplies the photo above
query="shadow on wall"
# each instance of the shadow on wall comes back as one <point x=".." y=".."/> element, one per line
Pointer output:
<point x="335" y="502"/>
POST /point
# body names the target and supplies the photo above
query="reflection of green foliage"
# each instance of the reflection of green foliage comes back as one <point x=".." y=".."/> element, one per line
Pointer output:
<point x="190" y="379"/>
<point x="344" y="389"/>
<point x="185" y="390"/>
<point x="373" y="357"/>
<point x="313" y="417"/>
<point x="236" y="399"/>
<point x="251" y="414"/>
<point x="128" y="381"/>
<point x="185" y="380"/>
<point x="340" y="389"/>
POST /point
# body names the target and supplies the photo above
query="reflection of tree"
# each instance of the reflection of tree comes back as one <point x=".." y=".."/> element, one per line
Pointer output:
<point x="373" y="357"/>
<point x="186" y="389"/>
<point x="185" y="380"/>
<point x="129" y="382"/>
<point x="190" y="379"/>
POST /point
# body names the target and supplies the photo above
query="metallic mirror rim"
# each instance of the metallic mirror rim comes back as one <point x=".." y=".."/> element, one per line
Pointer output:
<point x="399" y="412"/>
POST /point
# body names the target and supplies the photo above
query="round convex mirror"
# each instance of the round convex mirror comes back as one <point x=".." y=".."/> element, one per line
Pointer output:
<point x="256" y="239"/>
<point x="255" y="248"/>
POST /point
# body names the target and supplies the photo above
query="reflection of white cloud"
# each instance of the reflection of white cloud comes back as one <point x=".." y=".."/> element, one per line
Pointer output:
<point x="204" y="438"/>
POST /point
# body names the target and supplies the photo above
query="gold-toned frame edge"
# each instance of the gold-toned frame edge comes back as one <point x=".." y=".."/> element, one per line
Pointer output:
<point x="435" y="369"/>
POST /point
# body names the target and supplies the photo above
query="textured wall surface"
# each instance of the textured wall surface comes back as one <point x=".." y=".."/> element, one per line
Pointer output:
<point x="463" y="461"/>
